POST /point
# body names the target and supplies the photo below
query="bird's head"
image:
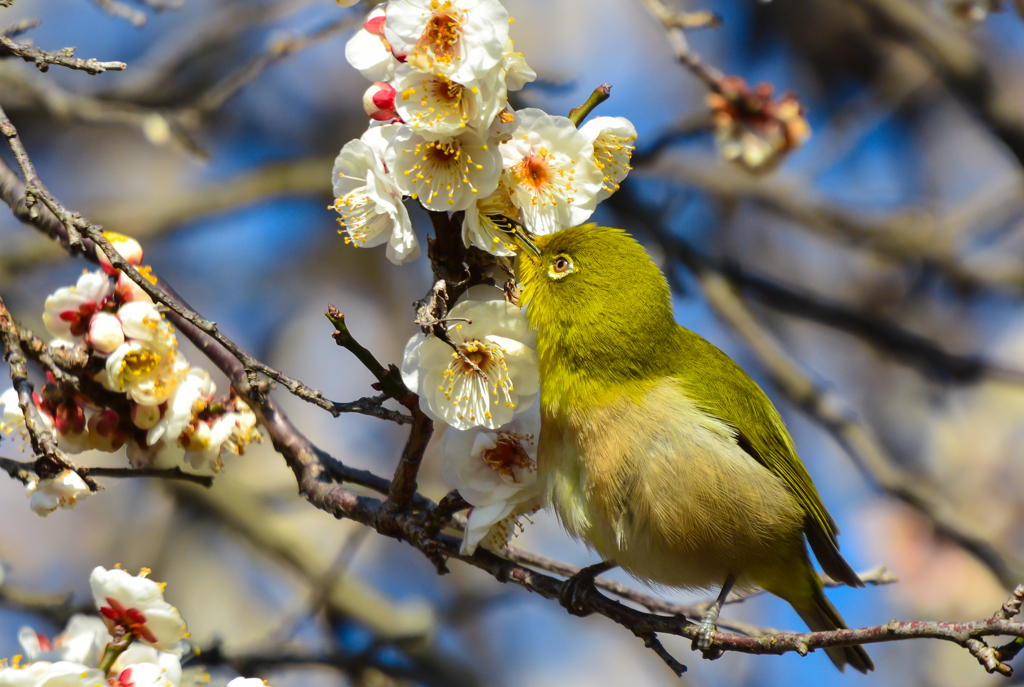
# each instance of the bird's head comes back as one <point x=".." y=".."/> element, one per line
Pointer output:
<point x="594" y="292"/>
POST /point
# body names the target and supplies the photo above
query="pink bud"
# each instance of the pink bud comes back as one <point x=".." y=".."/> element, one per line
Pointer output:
<point x="379" y="101"/>
<point x="105" y="333"/>
<point x="145" y="417"/>
<point x="69" y="418"/>
<point x="130" y="291"/>
<point x="129" y="248"/>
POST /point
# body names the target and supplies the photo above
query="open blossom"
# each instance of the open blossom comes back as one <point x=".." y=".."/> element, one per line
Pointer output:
<point x="614" y="140"/>
<point x="206" y="439"/>
<point x="46" y="674"/>
<point x="62" y="491"/>
<point x="481" y="225"/>
<point x="191" y="397"/>
<point x="498" y="341"/>
<point x="147" y="366"/>
<point x="368" y="50"/>
<point x="447" y="174"/>
<point x="434" y="104"/>
<point x="553" y="178"/>
<point x="137" y="604"/>
<point x="370" y="203"/>
<point x="69" y="309"/>
<point x="144" y="675"/>
<point x="461" y="39"/>
<point x="496" y="471"/>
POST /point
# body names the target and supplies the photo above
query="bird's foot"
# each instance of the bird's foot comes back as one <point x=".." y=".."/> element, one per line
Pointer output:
<point x="706" y="633"/>
<point x="576" y="589"/>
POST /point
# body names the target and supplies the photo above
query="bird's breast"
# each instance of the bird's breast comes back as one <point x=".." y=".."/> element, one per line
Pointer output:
<point x="662" y="488"/>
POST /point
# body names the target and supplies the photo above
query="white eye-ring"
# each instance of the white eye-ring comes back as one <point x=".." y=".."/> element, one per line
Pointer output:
<point x="560" y="267"/>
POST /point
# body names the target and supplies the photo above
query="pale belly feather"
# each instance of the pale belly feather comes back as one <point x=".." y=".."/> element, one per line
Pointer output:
<point x="665" y="491"/>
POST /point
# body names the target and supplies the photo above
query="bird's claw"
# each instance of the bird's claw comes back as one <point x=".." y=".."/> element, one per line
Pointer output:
<point x="573" y="596"/>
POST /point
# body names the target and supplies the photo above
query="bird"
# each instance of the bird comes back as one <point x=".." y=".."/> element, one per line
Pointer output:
<point x="656" y="449"/>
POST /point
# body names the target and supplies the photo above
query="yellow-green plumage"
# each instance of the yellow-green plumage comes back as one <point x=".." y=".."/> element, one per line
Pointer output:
<point x="656" y="448"/>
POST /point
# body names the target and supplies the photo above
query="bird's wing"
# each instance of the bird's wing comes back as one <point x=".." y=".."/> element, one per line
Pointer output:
<point x="728" y="393"/>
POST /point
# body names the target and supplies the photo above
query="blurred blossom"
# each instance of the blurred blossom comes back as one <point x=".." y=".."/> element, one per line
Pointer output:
<point x="136" y="603"/>
<point x="82" y="641"/>
<point x="553" y="178"/>
<point x="247" y="682"/>
<point x="752" y="129"/>
<point x="971" y="11"/>
<point x="63" y="491"/>
<point x="46" y="674"/>
<point x="498" y="341"/>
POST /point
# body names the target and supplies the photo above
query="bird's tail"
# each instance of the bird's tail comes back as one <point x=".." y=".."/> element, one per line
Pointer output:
<point x="821" y="616"/>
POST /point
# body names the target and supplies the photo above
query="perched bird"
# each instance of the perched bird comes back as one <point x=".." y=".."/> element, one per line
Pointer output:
<point x="659" y="451"/>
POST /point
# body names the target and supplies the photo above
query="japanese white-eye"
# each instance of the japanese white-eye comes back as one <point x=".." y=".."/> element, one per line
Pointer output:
<point x="659" y="451"/>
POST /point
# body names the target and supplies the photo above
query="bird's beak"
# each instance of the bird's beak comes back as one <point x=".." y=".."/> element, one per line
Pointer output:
<point x="520" y="235"/>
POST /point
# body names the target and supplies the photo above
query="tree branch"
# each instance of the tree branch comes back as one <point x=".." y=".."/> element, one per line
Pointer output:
<point x="64" y="57"/>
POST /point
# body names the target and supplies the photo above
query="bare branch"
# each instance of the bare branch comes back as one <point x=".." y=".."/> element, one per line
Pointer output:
<point x="65" y="57"/>
<point x="23" y="471"/>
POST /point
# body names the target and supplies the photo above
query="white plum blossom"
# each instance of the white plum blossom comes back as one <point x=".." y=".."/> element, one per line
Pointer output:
<point x="147" y="366"/>
<point x="434" y="104"/>
<point x="137" y="604"/>
<point x="553" y="178"/>
<point x="247" y="682"/>
<point x="614" y="140"/>
<point x="46" y="674"/>
<point x="480" y="225"/>
<point x="496" y="471"/>
<point x="167" y="665"/>
<point x="69" y="309"/>
<point x="191" y="397"/>
<point x="461" y="39"/>
<point x="497" y="340"/>
<point x="145" y="675"/>
<point x="516" y="72"/>
<point x="205" y="441"/>
<point x="447" y="174"/>
<point x="368" y="50"/>
<point x="11" y="417"/>
<point x="370" y="203"/>
<point x="63" y="491"/>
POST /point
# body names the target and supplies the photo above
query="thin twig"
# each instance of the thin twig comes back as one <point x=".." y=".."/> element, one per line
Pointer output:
<point x="600" y="94"/>
<point x="23" y="470"/>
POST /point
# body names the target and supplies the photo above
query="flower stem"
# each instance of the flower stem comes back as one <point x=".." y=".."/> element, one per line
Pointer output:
<point x="600" y="94"/>
<point x="113" y="650"/>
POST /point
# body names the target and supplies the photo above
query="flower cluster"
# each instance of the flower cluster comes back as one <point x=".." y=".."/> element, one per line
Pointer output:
<point x="443" y="133"/>
<point x="144" y="393"/>
<point x="751" y="128"/>
<point x="146" y="652"/>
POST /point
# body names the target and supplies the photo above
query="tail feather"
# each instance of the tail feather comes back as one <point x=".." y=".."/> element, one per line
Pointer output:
<point x="822" y="616"/>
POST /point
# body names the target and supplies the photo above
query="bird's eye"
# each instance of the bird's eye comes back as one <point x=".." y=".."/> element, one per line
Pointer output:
<point x="560" y="267"/>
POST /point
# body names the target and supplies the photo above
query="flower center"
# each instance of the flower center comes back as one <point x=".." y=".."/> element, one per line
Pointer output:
<point x="472" y="391"/>
<point x="137" y="364"/>
<point x="131" y="619"/>
<point x="532" y="173"/>
<point x="79" y="319"/>
<point x="442" y="33"/>
<point x="507" y="455"/>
